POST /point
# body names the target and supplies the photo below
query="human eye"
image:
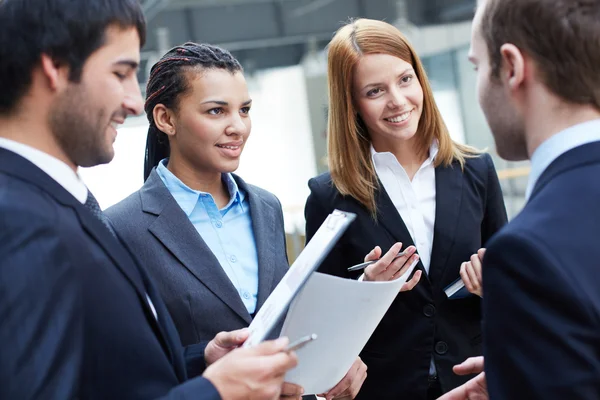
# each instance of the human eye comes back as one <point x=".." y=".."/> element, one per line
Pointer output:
<point x="245" y="110"/>
<point x="407" y="78"/>
<point x="120" y="75"/>
<point x="373" y="92"/>
<point x="216" y="111"/>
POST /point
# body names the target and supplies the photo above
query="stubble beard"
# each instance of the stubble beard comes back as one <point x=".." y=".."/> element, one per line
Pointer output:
<point x="507" y="127"/>
<point x="80" y="131"/>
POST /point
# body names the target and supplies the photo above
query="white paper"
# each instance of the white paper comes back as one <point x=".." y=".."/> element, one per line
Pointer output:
<point x="297" y="275"/>
<point x="343" y="313"/>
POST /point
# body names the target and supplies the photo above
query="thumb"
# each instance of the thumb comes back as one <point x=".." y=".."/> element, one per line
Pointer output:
<point x="473" y="365"/>
<point x="231" y="339"/>
<point x="481" y="253"/>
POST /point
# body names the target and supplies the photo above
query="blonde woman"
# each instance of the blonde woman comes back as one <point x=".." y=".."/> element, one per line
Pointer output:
<point x="393" y="163"/>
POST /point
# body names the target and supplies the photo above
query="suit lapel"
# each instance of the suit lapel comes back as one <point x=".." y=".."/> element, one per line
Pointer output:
<point x="448" y="195"/>
<point x="581" y="155"/>
<point x="264" y="225"/>
<point x="22" y="168"/>
<point x="388" y="216"/>
<point x="174" y="230"/>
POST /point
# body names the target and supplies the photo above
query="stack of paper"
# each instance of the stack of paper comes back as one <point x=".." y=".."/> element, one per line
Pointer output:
<point x="343" y="313"/>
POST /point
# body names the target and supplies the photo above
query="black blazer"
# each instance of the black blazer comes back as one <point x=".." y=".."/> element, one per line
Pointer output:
<point x="542" y="288"/>
<point x="76" y="322"/>
<point x="422" y="322"/>
<point x="196" y="290"/>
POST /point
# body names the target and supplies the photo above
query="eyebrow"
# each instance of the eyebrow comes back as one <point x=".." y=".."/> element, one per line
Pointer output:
<point x="129" y="63"/>
<point x="224" y="103"/>
<point x="377" y="84"/>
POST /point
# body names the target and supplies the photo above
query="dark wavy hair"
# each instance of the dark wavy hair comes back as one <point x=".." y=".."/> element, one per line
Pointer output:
<point x="66" y="30"/>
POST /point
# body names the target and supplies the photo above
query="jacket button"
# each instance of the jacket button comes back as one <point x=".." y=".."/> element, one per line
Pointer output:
<point x="441" y="348"/>
<point x="429" y="310"/>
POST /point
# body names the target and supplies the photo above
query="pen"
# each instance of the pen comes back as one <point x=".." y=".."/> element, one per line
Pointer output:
<point x="300" y="342"/>
<point x="364" y="265"/>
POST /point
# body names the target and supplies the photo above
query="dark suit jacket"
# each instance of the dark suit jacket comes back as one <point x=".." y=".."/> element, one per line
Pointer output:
<point x="422" y="322"/>
<point x="542" y="288"/>
<point x="199" y="295"/>
<point x="75" y="319"/>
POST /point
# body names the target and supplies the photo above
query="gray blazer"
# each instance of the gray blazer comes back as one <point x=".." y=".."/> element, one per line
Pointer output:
<point x="199" y="296"/>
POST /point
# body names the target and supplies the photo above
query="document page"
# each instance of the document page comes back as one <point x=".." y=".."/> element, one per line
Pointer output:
<point x="307" y="262"/>
<point x="343" y="313"/>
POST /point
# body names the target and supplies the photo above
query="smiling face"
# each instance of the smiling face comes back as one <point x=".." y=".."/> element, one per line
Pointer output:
<point x="388" y="97"/>
<point x="212" y="121"/>
<point x="85" y="115"/>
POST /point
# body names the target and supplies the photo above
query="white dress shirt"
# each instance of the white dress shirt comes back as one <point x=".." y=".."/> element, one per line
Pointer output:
<point x="414" y="200"/>
<point x="57" y="170"/>
<point x="557" y="145"/>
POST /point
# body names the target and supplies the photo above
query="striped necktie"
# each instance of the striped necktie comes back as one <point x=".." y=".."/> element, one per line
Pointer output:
<point x="92" y="205"/>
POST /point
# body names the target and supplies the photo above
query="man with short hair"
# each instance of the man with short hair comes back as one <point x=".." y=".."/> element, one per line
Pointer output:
<point x="539" y="87"/>
<point x="79" y="318"/>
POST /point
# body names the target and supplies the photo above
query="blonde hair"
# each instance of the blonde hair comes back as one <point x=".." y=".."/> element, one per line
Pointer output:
<point x="348" y="142"/>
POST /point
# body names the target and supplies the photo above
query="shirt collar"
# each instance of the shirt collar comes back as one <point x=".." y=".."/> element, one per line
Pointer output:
<point x="187" y="198"/>
<point x="52" y="166"/>
<point x="559" y="144"/>
<point x="433" y="150"/>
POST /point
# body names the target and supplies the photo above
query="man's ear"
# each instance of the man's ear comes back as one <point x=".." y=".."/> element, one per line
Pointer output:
<point x="56" y="74"/>
<point x="513" y="66"/>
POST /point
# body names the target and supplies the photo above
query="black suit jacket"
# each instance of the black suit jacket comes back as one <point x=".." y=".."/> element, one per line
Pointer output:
<point x="76" y="322"/>
<point x="198" y="293"/>
<point x="542" y="288"/>
<point x="420" y="323"/>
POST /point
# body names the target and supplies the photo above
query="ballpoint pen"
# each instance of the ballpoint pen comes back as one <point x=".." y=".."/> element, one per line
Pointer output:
<point x="364" y="265"/>
<point x="298" y="344"/>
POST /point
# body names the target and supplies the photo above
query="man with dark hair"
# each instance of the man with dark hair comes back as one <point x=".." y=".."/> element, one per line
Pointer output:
<point x="539" y="87"/>
<point x="79" y="317"/>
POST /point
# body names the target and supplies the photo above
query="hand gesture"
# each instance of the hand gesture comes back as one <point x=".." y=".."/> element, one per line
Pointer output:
<point x="252" y="373"/>
<point x="350" y="384"/>
<point x="476" y="388"/>
<point x="223" y="343"/>
<point x="470" y="273"/>
<point x="388" y="268"/>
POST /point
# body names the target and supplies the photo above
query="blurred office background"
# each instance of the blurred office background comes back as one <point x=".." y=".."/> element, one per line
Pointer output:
<point x="281" y="44"/>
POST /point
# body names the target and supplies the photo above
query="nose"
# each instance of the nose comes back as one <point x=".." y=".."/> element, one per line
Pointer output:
<point x="133" y="102"/>
<point x="238" y="125"/>
<point x="396" y="98"/>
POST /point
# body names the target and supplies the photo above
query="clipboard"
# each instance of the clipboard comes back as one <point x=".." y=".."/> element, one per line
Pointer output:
<point x="293" y="281"/>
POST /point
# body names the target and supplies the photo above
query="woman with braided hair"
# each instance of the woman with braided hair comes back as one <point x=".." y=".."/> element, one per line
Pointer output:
<point x="214" y="244"/>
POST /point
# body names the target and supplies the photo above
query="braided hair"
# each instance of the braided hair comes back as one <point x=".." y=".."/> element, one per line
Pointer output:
<point x="168" y="82"/>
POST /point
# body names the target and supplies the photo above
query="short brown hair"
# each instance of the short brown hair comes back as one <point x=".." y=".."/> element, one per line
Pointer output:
<point x="350" y="164"/>
<point x="562" y="36"/>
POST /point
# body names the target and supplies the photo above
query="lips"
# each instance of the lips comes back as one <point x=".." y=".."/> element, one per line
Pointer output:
<point x="399" y="117"/>
<point x="231" y="145"/>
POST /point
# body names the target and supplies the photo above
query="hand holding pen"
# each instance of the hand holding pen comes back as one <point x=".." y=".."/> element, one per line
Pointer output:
<point x="392" y="265"/>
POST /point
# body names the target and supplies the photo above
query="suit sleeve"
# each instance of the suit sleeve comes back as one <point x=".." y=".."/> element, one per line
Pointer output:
<point x="194" y="358"/>
<point x="42" y="321"/>
<point x="315" y="212"/>
<point x="198" y="388"/>
<point x="539" y="333"/>
<point x="495" y="211"/>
